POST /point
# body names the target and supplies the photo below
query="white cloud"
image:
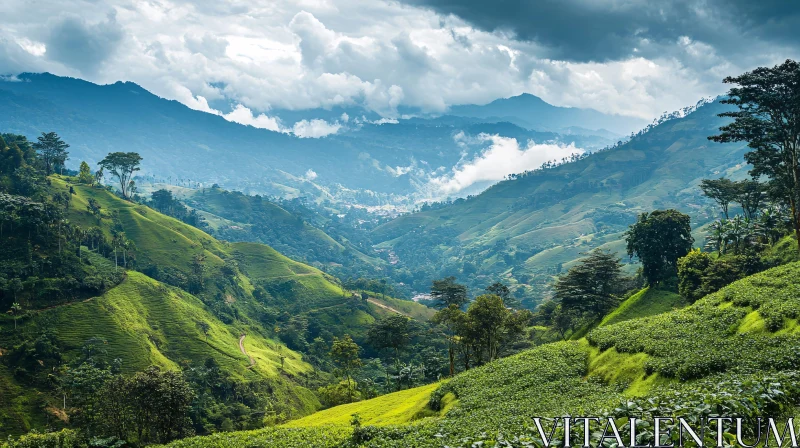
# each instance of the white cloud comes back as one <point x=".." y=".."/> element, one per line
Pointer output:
<point x="310" y="175"/>
<point x="504" y="156"/>
<point x="315" y="128"/>
<point x="242" y="115"/>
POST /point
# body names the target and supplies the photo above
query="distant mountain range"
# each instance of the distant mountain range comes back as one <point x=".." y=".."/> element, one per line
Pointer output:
<point x="529" y="228"/>
<point x="532" y="112"/>
<point x="364" y="162"/>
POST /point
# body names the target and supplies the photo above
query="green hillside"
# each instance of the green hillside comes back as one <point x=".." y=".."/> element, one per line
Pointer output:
<point x="745" y="363"/>
<point x="532" y="226"/>
<point x="647" y="302"/>
<point x="178" y="278"/>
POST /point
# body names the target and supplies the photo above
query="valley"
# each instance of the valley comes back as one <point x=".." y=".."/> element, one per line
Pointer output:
<point x="169" y="277"/>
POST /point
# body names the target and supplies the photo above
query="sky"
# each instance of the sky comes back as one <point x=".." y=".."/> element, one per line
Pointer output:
<point x="247" y="59"/>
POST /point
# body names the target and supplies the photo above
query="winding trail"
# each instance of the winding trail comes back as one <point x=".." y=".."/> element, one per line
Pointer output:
<point x="386" y="307"/>
<point x="244" y="352"/>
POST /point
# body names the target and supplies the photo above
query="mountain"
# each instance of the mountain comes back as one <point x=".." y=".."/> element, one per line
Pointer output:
<point x="365" y="161"/>
<point x="534" y="113"/>
<point x="530" y="227"/>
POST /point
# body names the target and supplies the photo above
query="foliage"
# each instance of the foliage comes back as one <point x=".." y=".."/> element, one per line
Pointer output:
<point x="53" y="151"/>
<point x="592" y="285"/>
<point x="446" y="292"/>
<point x="345" y="356"/>
<point x="85" y="175"/>
<point x="658" y="239"/>
<point x="122" y="165"/>
<point x="768" y="102"/>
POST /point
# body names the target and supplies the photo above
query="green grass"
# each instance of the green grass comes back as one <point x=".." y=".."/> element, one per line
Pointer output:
<point x="395" y="408"/>
<point x="647" y="302"/>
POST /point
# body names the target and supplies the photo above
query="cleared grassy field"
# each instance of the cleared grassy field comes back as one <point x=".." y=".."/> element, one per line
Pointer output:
<point x="646" y="302"/>
<point x="390" y="409"/>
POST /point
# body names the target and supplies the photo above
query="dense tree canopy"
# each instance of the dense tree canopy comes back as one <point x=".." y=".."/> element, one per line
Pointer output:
<point x="658" y="239"/>
<point x="591" y="285"/>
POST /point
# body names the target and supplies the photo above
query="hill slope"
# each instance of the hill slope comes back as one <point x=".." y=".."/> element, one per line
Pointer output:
<point x="652" y="366"/>
<point x="242" y="291"/>
<point x="533" y="225"/>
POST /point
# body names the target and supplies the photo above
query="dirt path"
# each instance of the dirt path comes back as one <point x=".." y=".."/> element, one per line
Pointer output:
<point x="386" y="307"/>
<point x="244" y="352"/>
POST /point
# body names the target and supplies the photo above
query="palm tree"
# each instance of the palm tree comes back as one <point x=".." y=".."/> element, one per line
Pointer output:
<point x="16" y="308"/>
<point x="716" y="237"/>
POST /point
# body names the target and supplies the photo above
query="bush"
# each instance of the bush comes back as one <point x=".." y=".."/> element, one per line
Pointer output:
<point x="66" y="438"/>
<point x="691" y="269"/>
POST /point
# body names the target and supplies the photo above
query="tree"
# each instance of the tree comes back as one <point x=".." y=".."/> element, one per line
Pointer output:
<point x="493" y="324"/>
<point x="722" y="190"/>
<point x="94" y="207"/>
<point x="450" y="319"/>
<point x="658" y="239"/>
<point x="85" y="174"/>
<point x="500" y="289"/>
<point x="52" y="150"/>
<point x="446" y="292"/>
<point x="344" y="355"/>
<point x="691" y="269"/>
<point x="204" y="328"/>
<point x="768" y="102"/>
<point x="749" y="195"/>
<point x="98" y="176"/>
<point x="391" y="332"/>
<point x="122" y="165"/>
<point x="590" y="287"/>
<point x="16" y="308"/>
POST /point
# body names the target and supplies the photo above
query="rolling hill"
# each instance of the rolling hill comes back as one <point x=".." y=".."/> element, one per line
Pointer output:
<point x="242" y="291"/>
<point x="745" y="365"/>
<point x="533" y="225"/>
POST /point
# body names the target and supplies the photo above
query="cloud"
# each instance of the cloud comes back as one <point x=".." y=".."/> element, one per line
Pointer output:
<point x="315" y="128"/>
<point x="504" y="156"/>
<point x="630" y="57"/>
<point x="603" y="30"/>
<point x="243" y="115"/>
<point x="85" y="46"/>
<point x="310" y="175"/>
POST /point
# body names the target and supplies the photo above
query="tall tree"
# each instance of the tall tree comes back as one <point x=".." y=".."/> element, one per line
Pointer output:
<point x="16" y="308"/>
<point x="722" y="190"/>
<point x="391" y="332"/>
<point x="768" y="119"/>
<point x="500" y="289"/>
<point x="52" y="150"/>
<point x="749" y="195"/>
<point x="493" y="324"/>
<point x="659" y="238"/>
<point x="122" y="165"/>
<point x="344" y="354"/>
<point x="590" y="287"/>
<point x="446" y="292"/>
<point x="85" y="174"/>
<point x="450" y="319"/>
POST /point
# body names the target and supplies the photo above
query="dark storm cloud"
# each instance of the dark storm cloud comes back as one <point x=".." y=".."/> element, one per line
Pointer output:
<point x="81" y="45"/>
<point x="601" y="30"/>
